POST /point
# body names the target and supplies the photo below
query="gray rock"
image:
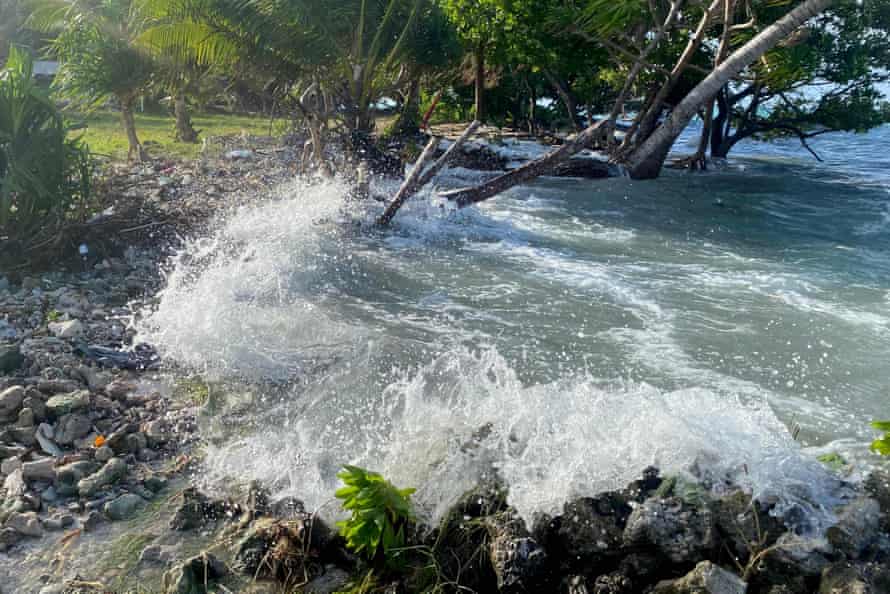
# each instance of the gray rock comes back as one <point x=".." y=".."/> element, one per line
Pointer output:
<point x="27" y="418"/>
<point x="10" y="464"/>
<point x="93" y="520"/>
<point x="72" y="427"/>
<point x="69" y="475"/>
<point x="8" y="539"/>
<point x="11" y="358"/>
<point x="190" y="577"/>
<point x="104" y="454"/>
<point x="877" y="485"/>
<point x="332" y="580"/>
<point x="43" y="435"/>
<point x="155" y="554"/>
<point x="36" y="404"/>
<point x="155" y="483"/>
<point x="39" y="470"/>
<point x="857" y="527"/>
<point x="157" y="432"/>
<point x="113" y="470"/>
<point x="66" y="329"/>
<point x="123" y="507"/>
<point x="63" y="404"/>
<point x="706" y="578"/>
<point x="591" y="527"/>
<point x="684" y="533"/>
<point x="846" y="578"/>
<point x="14" y="484"/>
<point x="26" y="523"/>
<point x="516" y="557"/>
<point x="11" y="402"/>
<point x="136" y="442"/>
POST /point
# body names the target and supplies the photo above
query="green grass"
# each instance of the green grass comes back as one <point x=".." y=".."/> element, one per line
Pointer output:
<point x="105" y="135"/>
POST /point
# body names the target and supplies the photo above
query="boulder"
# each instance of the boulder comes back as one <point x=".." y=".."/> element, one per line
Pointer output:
<point x="123" y="507"/>
<point x="706" y="578"/>
<point x="113" y="470"/>
<point x="63" y="404"/>
<point x="192" y="576"/>
<point x="857" y="527"/>
<point x="682" y="532"/>
<point x="72" y="427"/>
<point x="11" y="402"/>
<point x="518" y="560"/>
<point x="11" y="358"/>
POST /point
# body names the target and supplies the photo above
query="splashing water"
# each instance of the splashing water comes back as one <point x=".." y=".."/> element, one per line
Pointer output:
<point x="561" y="337"/>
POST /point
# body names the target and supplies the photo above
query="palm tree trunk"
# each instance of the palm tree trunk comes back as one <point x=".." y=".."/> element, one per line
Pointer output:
<point x="647" y="160"/>
<point x="135" y="151"/>
<point x="480" y="79"/>
<point x="185" y="132"/>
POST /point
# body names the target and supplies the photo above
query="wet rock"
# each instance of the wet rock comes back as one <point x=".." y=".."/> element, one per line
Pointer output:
<point x="72" y="427"/>
<point x="11" y="402"/>
<point x="588" y="530"/>
<point x="93" y="520"/>
<point x="877" y="485"/>
<point x="706" y="578"/>
<point x="614" y="582"/>
<point x="11" y="450"/>
<point x="123" y="507"/>
<point x="197" y="510"/>
<point x="66" y="329"/>
<point x="157" y="432"/>
<point x="25" y="523"/>
<point x="277" y="549"/>
<point x="39" y="470"/>
<point x="113" y="470"/>
<point x="57" y="523"/>
<point x="682" y="532"/>
<point x="63" y="404"/>
<point x="192" y="576"/>
<point x="136" y="442"/>
<point x="741" y="521"/>
<point x="516" y="557"/>
<point x="846" y="578"/>
<point x="332" y="580"/>
<point x="155" y="483"/>
<point x="791" y="562"/>
<point x="641" y="489"/>
<point x="857" y="527"/>
<point x="11" y="358"/>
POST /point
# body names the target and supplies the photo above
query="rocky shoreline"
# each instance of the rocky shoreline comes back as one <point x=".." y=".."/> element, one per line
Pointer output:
<point x="97" y="440"/>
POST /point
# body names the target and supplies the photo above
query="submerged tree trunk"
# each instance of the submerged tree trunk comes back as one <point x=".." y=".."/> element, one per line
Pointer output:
<point x="479" y="63"/>
<point x="185" y="132"/>
<point x="648" y="159"/>
<point x="135" y="151"/>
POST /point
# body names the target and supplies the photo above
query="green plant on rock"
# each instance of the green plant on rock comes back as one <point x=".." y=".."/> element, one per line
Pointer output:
<point x="882" y="445"/>
<point x="381" y="514"/>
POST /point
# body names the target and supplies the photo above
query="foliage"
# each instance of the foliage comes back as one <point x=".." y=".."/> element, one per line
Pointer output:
<point x="381" y="513"/>
<point x="43" y="173"/>
<point x="882" y="445"/>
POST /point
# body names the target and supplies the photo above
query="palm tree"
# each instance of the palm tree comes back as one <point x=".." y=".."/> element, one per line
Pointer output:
<point x="98" y="54"/>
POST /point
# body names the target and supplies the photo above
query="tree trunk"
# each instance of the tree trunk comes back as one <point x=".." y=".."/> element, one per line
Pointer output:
<point x="185" y="132"/>
<point x="527" y="172"/>
<point x="647" y="160"/>
<point x="135" y="151"/>
<point x="480" y="80"/>
<point x="567" y="99"/>
<point x="408" y="121"/>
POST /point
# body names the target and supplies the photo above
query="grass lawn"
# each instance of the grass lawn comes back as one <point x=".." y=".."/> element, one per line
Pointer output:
<point x="105" y="135"/>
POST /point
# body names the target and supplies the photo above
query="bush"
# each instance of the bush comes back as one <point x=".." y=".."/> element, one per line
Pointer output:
<point x="43" y="173"/>
<point x="381" y="514"/>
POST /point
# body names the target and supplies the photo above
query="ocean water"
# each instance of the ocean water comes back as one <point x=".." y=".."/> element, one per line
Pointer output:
<point x="561" y="336"/>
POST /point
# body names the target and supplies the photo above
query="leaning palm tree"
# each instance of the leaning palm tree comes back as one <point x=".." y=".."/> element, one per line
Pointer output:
<point x="99" y="58"/>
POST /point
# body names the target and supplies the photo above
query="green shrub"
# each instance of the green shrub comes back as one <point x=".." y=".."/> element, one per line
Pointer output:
<point x="381" y="514"/>
<point x="43" y="173"/>
<point x="882" y="445"/>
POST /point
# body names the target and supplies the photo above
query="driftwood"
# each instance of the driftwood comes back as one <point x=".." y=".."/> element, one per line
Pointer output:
<point x="419" y="178"/>
<point x="527" y="172"/>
